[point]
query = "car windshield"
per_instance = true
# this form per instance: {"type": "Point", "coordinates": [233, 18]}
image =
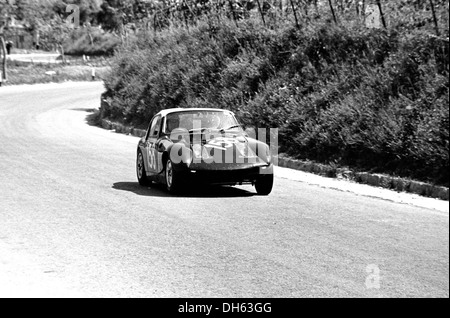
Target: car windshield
{"type": "Point", "coordinates": [198, 120]}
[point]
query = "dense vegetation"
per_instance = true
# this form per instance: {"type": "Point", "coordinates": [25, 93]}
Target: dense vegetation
{"type": "Point", "coordinates": [92, 27]}
{"type": "Point", "coordinates": [341, 94]}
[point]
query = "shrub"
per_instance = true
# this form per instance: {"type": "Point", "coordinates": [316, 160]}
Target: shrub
{"type": "Point", "coordinates": [103, 44]}
{"type": "Point", "coordinates": [372, 99]}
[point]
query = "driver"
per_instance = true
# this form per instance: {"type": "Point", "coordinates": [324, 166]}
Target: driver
{"type": "Point", "coordinates": [172, 123]}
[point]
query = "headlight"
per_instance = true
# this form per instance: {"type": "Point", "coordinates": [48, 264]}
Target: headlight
{"type": "Point", "coordinates": [206, 154]}
{"type": "Point", "coordinates": [268, 155]}
{"type": "Point", "coordinates": [200, 152]}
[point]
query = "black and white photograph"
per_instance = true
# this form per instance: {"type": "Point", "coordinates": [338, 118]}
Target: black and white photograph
{"type": "Point", "coordinates": [222, 155]}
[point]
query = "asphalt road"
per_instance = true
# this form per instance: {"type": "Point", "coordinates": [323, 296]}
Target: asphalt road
{"type": "Point", "coordinates": [75, 223]}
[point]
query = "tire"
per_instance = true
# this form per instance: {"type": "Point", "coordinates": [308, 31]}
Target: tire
{"type": "Point", "coordinates": [264, 184]}
{"type": "Point", "coordinates": [172, 177]}
{"type": "Point", "coordinates": [140, 171]}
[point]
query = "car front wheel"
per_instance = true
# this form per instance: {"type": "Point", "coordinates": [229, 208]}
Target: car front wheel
{"type": "Point", "coordinates": [264, 184]}
{"type": "Point", "coordinates": [140, 170]}
{"type": "Point", "coordinates": [173, 182]}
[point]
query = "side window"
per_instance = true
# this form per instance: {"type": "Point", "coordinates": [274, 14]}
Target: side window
{"type": "Point", "coordinates": [156, 127]}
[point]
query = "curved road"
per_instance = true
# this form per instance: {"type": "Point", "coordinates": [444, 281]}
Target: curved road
{"type": "Point", "coordinates": [75, 223]}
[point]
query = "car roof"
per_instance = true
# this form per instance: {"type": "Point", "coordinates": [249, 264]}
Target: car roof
{"type": "Point", "coordinates": [166, 112]}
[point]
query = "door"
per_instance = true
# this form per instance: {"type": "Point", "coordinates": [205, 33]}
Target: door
{"type": "Point", "coordinates": [150, 146]}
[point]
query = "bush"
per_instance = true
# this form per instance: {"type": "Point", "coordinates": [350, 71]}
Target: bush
{"type": "Point", "coordinates": [103, 44]}
{"type": "Point", "coordinates": [371, 99]}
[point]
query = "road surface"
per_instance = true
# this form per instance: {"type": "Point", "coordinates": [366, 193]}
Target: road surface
{"type": "Point", "coordinates": [75, 223]}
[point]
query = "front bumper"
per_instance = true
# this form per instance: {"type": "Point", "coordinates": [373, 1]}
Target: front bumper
{"type": "Point", "coordinates": [227, 176]}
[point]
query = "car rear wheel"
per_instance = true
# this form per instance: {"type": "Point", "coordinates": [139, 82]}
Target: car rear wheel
{"type": "Point", "coordinates": [172, 178]}
{"type": "Point", "coordinates": [140, 170]}
{"type": "Point", "coordinates": [264, 184]}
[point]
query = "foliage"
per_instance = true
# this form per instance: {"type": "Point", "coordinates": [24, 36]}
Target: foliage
{"type": "Point", "coordinates": [91, 42]}
{"type": "Point", "coordinates": [368, 98]}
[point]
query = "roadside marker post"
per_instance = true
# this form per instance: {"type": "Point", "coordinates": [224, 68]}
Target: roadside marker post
{"type": "Point", "coordinates": [93, 73]}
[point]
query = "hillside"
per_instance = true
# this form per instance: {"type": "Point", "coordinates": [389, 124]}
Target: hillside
{"type": "Point", "coordinates": [340, 93]}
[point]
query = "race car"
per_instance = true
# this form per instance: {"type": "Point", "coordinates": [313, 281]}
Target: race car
{"type": "Point", "coordinates": [187, 146]}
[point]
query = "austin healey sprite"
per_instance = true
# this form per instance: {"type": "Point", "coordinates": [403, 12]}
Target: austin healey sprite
{"type": "Point", "coordinates": [183, 147]}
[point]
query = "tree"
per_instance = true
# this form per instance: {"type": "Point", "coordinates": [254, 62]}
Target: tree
{"type": "Point", "coordinates": [109, 17]}
{"type": "Point", "coordinates": [114, 15]}
{"type": "Point", "coordinates": [7, 8]}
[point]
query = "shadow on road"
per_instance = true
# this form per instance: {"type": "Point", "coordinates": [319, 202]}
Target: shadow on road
{"type": "Point", "coordinates": [87, 110]}
{"type": "Point", "coordinates": [157, 190]}
{"type": "Point", "coordinates": [135, 188]}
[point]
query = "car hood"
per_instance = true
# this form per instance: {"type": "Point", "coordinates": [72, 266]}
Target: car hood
{"type": "Point", "coordinates": [230, 150]}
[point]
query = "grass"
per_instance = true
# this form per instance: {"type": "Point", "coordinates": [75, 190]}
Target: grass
{"type": "Point", "coordinates": [26, 73]}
